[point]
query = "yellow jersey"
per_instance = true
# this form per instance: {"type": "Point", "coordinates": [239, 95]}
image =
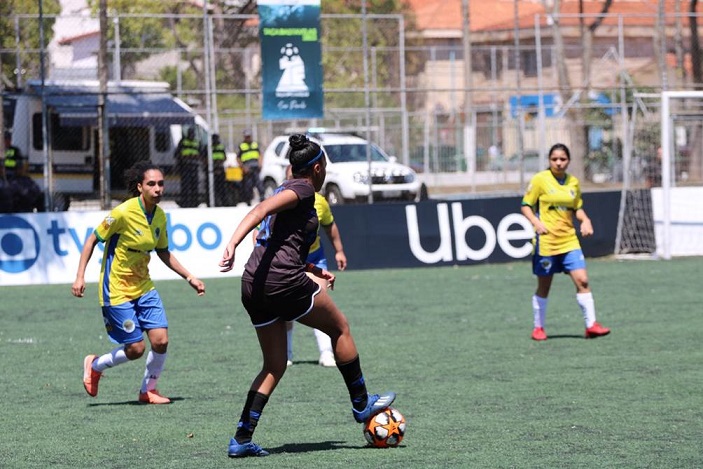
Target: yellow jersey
{"type": "Point", "coordinates": [555, 204]}
{"type": "Point", "coordinates": [324, 214]}
{"type": "Point", "coordinates": [130, 234]}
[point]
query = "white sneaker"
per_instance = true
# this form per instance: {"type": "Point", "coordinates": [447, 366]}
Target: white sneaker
{"type": "Point", "coordinates": [289, 363]}
{"type": "Point", "coordinates": [327, 359]}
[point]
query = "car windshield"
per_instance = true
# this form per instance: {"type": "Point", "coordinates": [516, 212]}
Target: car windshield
{"type": "Point", "coordinates": [352, 153]}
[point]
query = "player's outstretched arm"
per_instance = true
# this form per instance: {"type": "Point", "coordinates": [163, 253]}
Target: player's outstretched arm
{"type": "Point", "coordinates": [78, 287]}
{"type": "Point", "coordinates": [174, 264]}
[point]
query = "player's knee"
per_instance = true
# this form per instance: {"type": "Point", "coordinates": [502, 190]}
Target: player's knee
{"type": "Point", "coordinates": [134, 351]}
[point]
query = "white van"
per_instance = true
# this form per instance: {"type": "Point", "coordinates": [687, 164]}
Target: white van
{"type": "Point", "coordinates": [145, 123]}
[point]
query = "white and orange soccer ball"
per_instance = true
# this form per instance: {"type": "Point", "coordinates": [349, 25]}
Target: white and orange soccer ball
{"type": "Point", "coordinates": [385, 429]}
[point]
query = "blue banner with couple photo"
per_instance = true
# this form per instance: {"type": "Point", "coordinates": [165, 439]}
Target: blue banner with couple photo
{"type": "Point", "coordinates": [291, 55]}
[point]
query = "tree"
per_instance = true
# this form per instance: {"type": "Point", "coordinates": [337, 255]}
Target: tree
{"type": "Point", "coordinates": [28, 34]}
{"type": "Point", "coordinates": [343, 68]}
{"type": "Point", "coordinates": [578, 127]}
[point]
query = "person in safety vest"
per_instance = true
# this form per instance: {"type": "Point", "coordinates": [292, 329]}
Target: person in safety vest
{"type": "Point", "coordinates": [250, 159]}
{"type": "Point", "coordinates": [188, 157]}
{"type": "Point", "coordinates": [219, 156]}
{"type": "Point", "coordinates": [25, 195]}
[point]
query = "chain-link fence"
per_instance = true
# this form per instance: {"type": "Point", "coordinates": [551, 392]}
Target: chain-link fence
{"type": "Point", "coordinates": [525, 94]}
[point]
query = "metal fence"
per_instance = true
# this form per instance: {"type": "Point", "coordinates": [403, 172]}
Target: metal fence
{"type": "Point", "coordinates": [416, 91]}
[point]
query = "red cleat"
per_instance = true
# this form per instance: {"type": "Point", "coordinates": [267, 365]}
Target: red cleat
{"type": "Point", "coordinates": [596, 330]}
{"type": "Point", "coordinates": [539, 334]}
{"type": "Point", "coordinates": [90, 376]}
{"type": "Point", "coordinates": [153, 397]}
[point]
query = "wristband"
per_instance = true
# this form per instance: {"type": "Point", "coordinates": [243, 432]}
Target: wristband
{"type": "Point", "coordinates": [189, 279]}
{"type": "Point", "coordinates": [309, 266]}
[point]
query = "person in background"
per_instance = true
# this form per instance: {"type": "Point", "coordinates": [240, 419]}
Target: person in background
{"type": "Point", "coordinates": [551, 202]}
{"type": "Point", "coordinates": [13, 160]}
{"type": "Point", "coordinates": [188, 156]}
{"type": "Point", "coordinates": [317, 258]}
{"type": "Point", "coordinates": [250, 160]}
{"type": "Point", "coordinates": [219, 156]}
{"type": "Point", "coordinates": [653, 170]}
{"type": "Point", "coordinates": [276, 289]}
{"type": "Point", "coordinates": [130, 304]}
{"type": "Point", "coordinates": [25, 194]}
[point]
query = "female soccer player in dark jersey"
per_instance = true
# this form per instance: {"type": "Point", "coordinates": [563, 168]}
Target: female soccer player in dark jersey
{"type": "Point", "coordinates": [276, 289]}
{"type": "Point", "coordinates": [130, 304]}
{"type": "Point", "coordinates": [551, 202]}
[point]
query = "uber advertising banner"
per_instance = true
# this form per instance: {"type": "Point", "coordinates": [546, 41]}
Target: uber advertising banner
{"type": "Point", "coordinates": [42, 248]}
{"type": "Point", "coordinates": [289, 31]}
{"type": "Point", "coordinates": [436, 233]}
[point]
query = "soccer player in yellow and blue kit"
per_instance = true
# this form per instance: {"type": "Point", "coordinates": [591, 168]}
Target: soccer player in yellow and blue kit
{"type": "Point", "coordinates": [130, 304]}
{"type": "Point", "coordinates": [551, 202]}
{"type": "Point", "coordinates": [317, 258]}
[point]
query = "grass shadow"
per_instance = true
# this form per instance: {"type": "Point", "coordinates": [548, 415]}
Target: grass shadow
{"type": "Point", "coordinates": [310, 447]}
{"type": "Point", "coordinates": [135, 402]}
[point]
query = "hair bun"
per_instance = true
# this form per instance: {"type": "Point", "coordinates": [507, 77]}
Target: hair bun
{"type": "Point", "coordinates": [297, 141]}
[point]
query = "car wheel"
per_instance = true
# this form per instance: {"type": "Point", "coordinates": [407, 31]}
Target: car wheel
{"type": "Point", "coordinates": [270, 187]}
{"type": "Point", "coordinates": [334, 195]}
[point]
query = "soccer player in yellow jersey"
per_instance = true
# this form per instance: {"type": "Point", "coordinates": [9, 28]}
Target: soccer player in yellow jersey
{"type": "Point", "coordinates": [130, 304]}
{"type": "Point", "coordinates": [317, 258]}
{"type": "Point", "coordinates": [551, 202]}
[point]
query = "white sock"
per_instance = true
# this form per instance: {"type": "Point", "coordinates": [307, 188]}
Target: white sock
{"type": "Point", "coordinates": [324, 343]}
{"type": "Point", "coordinates": [113, 358]}
{"type": "Point", "coordinates": [588, 307]}
{"type": "Point", "coordinates": [289, 338]}
{"type": "Point", "coordinates": [539, 310]}
{"type": "Point", "coordinates": [154, 366]}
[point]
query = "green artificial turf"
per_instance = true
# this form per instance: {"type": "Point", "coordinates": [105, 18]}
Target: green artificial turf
{"type": "Point", "coordinates": [454, 343]}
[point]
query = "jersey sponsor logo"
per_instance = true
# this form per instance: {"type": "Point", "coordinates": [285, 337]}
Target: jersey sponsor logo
{"type": "Point", "coordinates": [107, 222]}
{"type": "Point", "coordinates": [19, 244]}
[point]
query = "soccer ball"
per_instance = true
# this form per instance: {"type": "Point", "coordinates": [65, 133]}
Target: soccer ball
{"type": "Point", "coordinates": [385, 429]}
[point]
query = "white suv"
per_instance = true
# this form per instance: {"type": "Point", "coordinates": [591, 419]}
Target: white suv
{"type": "Point", "coordinates": [347, 170]}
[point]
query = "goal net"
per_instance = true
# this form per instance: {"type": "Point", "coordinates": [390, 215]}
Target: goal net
{"type": "Point", "coordinates": [661, 214]}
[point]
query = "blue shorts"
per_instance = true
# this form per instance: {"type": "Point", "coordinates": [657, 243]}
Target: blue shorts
{"type": "Point", "coordinates": [318, 258]}
{"type": "Point", "coordinates": [126, 322]}
{"type": "Point", "coordinates": [543, 266]}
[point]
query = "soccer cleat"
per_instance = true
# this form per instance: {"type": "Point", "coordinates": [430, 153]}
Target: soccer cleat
{"type": "Point", "coordinates": [90, 376]}
{"type": "Point", "coordinates": [596, 330]}
{"type": "Point", "coordinates": [289, 363]}
{"type": "Point", "coordinates": [374, 405]}
{"type": "Point", "coordinates": [539, 334]}
{"type": "Point", "coordinates": [327, 359]}
{"type": "Point", "coordinates": [243, 450]}
{"type": "Point", "coordinates": [153, 397]}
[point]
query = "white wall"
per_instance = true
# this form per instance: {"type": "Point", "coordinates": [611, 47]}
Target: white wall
{"type": "Point", "coordinates": [686, 212]}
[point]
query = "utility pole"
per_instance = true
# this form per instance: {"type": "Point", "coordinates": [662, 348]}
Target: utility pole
{"type": "Point", "coordinates": [103, 140]}
{"type": "Point", "coordinates": [469, 127]}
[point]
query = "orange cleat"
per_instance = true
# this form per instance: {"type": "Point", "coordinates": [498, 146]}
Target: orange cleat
{"type": "Point", "coordinates": [90, 376]}
{"type": "Point", "coordinates": [596, 330]}
{"type": "Point", "coordinates": [153, 397]}
{"type": "Point", "coordinates": [539, 334]}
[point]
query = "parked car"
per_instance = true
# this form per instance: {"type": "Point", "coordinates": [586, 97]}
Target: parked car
{"type": "Point", "coordinates": [347, 170]}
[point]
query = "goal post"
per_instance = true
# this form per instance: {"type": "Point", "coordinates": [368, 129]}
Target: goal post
{"type": "Point", "coordinates": [661, 214]}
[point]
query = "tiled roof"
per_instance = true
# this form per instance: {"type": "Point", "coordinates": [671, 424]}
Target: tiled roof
{"type": "Point", "coordinates": [488, 15]}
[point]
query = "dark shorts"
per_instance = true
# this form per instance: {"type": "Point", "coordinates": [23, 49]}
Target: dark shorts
{"type": "Point", "coordinates": [267, 305]}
